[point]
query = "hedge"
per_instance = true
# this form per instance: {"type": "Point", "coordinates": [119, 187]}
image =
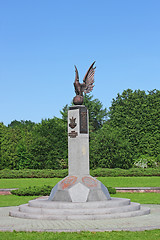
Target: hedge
{"type": "Point", "coordinates": [43, 191]}
{"type": "Point", "coordinates": [99, 172]}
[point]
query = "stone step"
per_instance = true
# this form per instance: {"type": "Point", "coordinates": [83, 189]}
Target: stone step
{"type": "Point", "coordinates": [142, 211]}
{"type": "Point", "coordinates": [114, 202]}
{"type": "Point", "coordinates": [52, 210]}
{"type": "Point", "coordinates": [79, 211]}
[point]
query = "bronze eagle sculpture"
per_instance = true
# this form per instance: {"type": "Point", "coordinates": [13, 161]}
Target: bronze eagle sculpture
{"type": "Point", "coordinates": [86, 86]}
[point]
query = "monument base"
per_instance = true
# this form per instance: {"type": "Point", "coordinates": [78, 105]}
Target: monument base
{"type": "Point", "coordinates": [79, 189]}
{"type": "Point", "coordinates": [56, 210]}
{"type": "Point", "coordinates": [79, 197]}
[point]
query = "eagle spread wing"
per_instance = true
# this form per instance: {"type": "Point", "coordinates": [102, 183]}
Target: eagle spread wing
{"type": "Point", "coordinates": [89, 79]}
{"type": "Point", "coordinates": [77, 75]}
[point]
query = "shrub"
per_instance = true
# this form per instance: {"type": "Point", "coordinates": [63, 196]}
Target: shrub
{"type": "Point", "coordinates": [99, 172]}
{"type": "Point", "coordinates": [145, 161]}
{"type": "Point", "coordinates": [33, 191]}
{"type": "Point", "coordinates": [43, 191]}
{"type": "Point", "coordinates": [31, 173]}
{"type": "Point", "coordinates": [111, 190]}
{"type": "Point", "coordinates": [132, 172]}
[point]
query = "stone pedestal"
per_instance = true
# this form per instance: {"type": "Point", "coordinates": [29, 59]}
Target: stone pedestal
{"type": "Point", "coordinates": [78, 141]}
{"type": "Point", "coordinates": [79, 186]}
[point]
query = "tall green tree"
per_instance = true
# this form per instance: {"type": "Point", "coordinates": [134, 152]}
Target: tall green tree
{"type": "Point", "coordinates": [9, 141]}
{"type": "Point", "coordinates": [15, 147]}
{"type": "Point", "coordinates": [136, 114]}
{"type": "Point", "coordinates": [29, 125]}
{"type": "Point", "coordinates": [2, 130]}
{"type": "Point", "coordinates": [97, 114]}
{"type": "Point", "coordinates": [110, 149]}
{"type": "Point", "coordinates": [50, 147]}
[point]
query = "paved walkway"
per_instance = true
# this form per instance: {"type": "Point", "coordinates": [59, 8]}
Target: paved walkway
{"type": "Point", "coordinates": [147, 222]}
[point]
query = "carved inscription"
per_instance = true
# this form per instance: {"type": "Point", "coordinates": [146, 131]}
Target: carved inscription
{"type": "Point", "coordinates": [73, 134]}
{"type": "Point", "coordinates": [83, 120]}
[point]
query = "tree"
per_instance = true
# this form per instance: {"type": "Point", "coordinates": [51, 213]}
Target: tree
{"type": "Point", "coordinates": [29, 125]}
{"type": "Point", "coordinates": [9, 140]}
{"type": "Point", "coordinates": [15, 147]}
{"type": "Point", "coordinates": [97, 115]}
{"type": "Point", "coordinates": [2, 130]}
{"type": "Point", "coordinates": [136, 114]}
{"type": "Point", "coordinates": [64, 113]}
{"type": "Point", "coordinates": [110, 149]}
{"type": "Point", "coordinates": [50, 147]}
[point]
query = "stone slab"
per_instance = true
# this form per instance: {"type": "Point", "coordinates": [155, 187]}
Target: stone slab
{"type": "Point", "coordinates": [139, 223]}
{"type": "Point", "coordinates": [79, 193]}
{"type": "Point", "coordinates": [42, 209]}
{"type": "Point", "coordinates": [78, 141]}
{"type": "Point", "coordinates": [78, 211]}
{"type": "Point", "coordinates": [142, 211]}
{"type": "Point", "coordinates": [115, 202]}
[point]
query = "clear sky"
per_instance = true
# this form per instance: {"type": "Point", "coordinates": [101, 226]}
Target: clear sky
{"type": "Point", "coordinates": [42, 40]}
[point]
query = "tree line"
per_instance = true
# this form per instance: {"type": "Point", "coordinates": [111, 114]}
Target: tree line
{"type": "Point", "coordinates": [125, 134]}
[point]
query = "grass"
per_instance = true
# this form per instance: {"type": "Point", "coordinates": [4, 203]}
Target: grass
{"type": "Point", "coordinates": [26, 182]}
{"type": "Point", "coordinates": [142, 198]}
{"type": "Point", "coordinates": [130, 181]}
{"type": "Point", "coordinates": [107, 181]}
{"type": "Point", "coordinates": [13, 200]}
{"type": "Point", "coordinates": [121, 235]}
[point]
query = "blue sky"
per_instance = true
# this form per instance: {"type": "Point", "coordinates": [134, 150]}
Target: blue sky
{"type": "Point", "coordinates": [41, 41]}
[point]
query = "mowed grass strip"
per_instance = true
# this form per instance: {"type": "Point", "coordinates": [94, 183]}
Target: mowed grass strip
{"type": "Point", "coordinates": [142, 198]}
{"type": "Point", "coordinates": [121, 235]}
{"type": "Point", "coordinates": [107, 181]}
{"type": "Point", "coordinates": [13, 200]}
{"type": "Point", "coordinates": [26, 182]}
{"type": "Point", "coordinates": [130, 181]}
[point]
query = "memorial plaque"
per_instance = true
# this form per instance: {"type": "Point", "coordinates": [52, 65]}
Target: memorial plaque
{"type": "Point", "coordinates": [83, 120]}
{"type": "Point", "coordinates": [73, 134]}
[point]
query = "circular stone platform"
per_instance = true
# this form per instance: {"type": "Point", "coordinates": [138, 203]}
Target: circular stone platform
{"type": "Point", "coordinates": [139, 223]}
{"type": "Point", "coordinates": [52, 210]}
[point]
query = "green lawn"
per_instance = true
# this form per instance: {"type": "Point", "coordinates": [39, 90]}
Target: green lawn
{"type": "Point", "coordinates": [122, 235]}
{"type": "Point", "coordinates": [26, 182]}
{"type": "Point", "coordinates": [143, 198]}
{"type": "Point", "coordinates": [13, 200]}
{"type": "Point", "coordinates": [130, 181]}
{"type": "Point", "coordinates": [107, 181]}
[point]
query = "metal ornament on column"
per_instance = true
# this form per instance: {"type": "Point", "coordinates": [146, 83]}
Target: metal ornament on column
{"type": "Point", "coordinates": [86, 86]}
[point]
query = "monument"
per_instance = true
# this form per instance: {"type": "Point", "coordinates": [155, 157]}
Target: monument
{"type": "Point", "coordinates": [79, 186]}
{"type": "Point", "coordinates": [79, 195]}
